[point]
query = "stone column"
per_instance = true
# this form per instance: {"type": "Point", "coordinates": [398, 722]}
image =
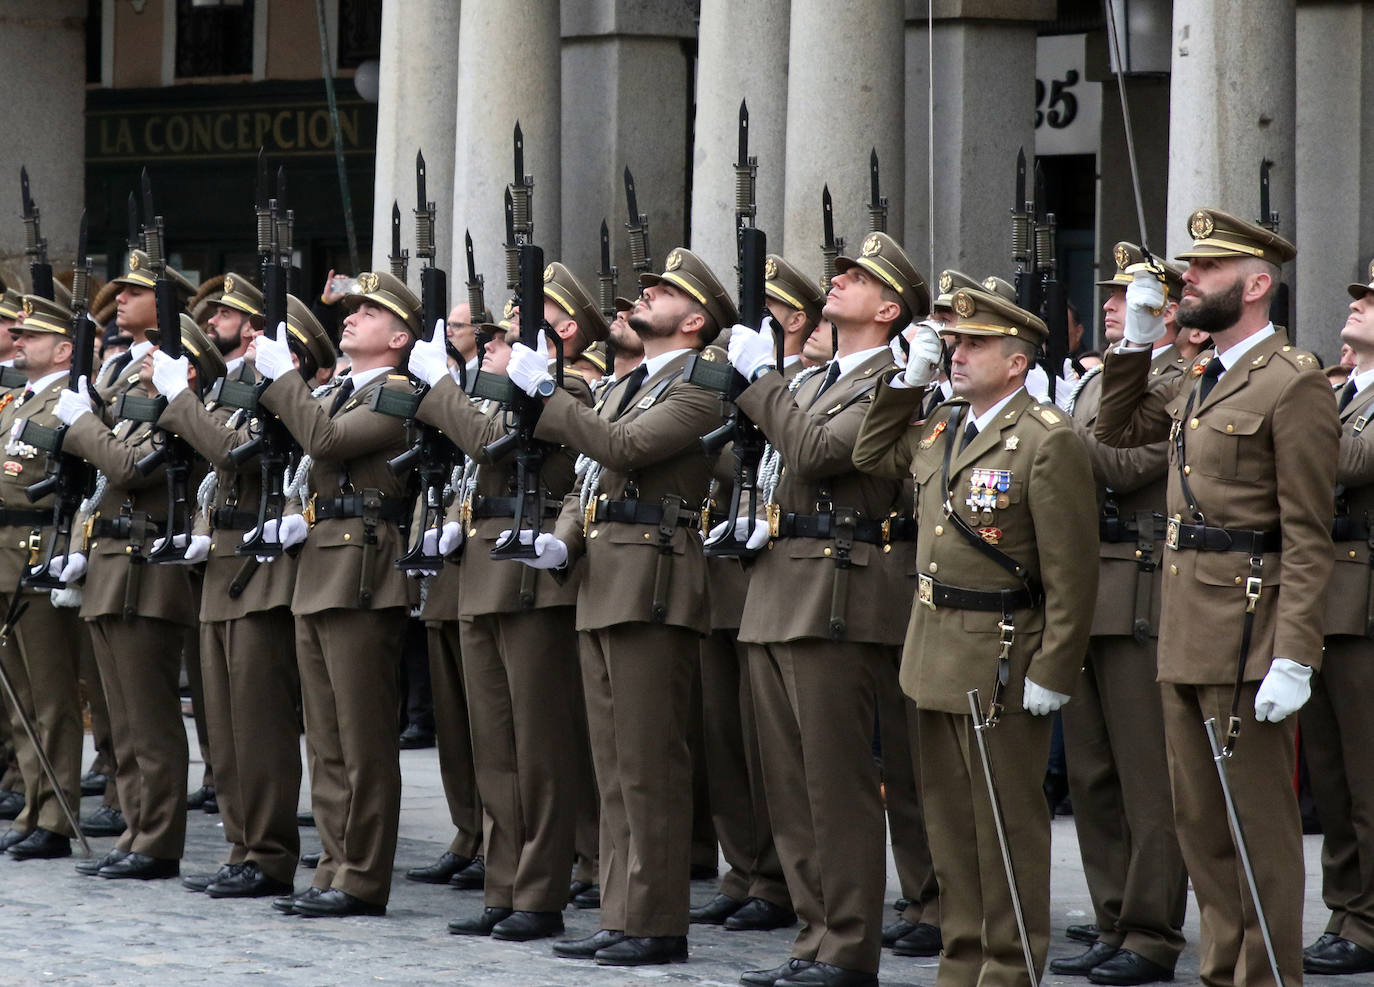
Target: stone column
{"type": "Point", "coordinates": [844, 97]}
{"type": "Point", "coordinates": [43, 118]}
{"type": "Point", "coordinates": [629, 76]}
{"type": "Point", "coordinates": [1231, 104]}
{"type": "Point", "coordinates": [418, 86]}
{"type": "Point", "coordinates": [508, 71]}
{"type": "Point", "coordinates": [743, 51]}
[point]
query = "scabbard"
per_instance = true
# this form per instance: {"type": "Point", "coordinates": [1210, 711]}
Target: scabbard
{"type": "Point", "coordinates": [663, 574]}
{"type": "Point", "coordinates": [839, 601]}
{"type": "Point", "coordinates": [365, 577]}
{"type": "Point", "coordinates": [528, 577]}
{"type": "Point", "coordinates": [1144, 575]}
{"type": "Point", "coordinates": [132, 583]}
{"type": "Point", "coordinates": [241, 578]}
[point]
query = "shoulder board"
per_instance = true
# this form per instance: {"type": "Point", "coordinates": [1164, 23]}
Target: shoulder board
{"type": "Point", "coordinates": [868, 388]}
{"type": "Point", "coordinates": [1047, 415]}
{"type": "Point", "coordinates": [574, 371]}
{"type": "Point", "coordinates": [1301, 359]}
{"type": "Point", "coordinates": [399, 378]}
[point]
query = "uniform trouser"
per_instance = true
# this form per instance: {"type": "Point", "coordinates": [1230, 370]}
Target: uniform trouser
{"type": "Point", "coordinates": [195, 681]}
{"type": "Point", "coordinates": [105, 761]}
{"type": "Point", "coordinates": [637, 679]}
{"type": "Point", "coordinates": [735, 775]}
{"type": "Point", "coordinates": [586, 799]}
{"type": "Point", "coordinates": [140, 664]}
{"type": "Point", "coordinates": [982, 944]}
{"type": "Point", "coordinates": [521, 670]}
{"type": "Point", "coordinates": [1260, 772]}
{"type": "Point", "coordinates": [42, 658]}
{"type": "Point", "coordinates": [816, 703]}
{"type": "Point", "coordinates": [248, 667]}
{"type": "Point", "coordinates": [453, 738]}
{"type": "Point", "coordinates": [348, 663]}
{"type": "Point", "coordinates": [705, 849]}
{"type": "Point", "coordinates": [1338, 738]}
{"type": "Point", "coordinates": [1119, 782]}
{"type": "Point", "coordinates": [905, 816]}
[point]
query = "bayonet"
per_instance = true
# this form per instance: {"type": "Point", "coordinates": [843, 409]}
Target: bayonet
{"type": "Point", "coordinates": [877, 204]}
{"type": "Point", "coordinates": [746, 178]}
{"type": "Point", "coordinates": [400, 259]}
{"type": "Point", "coordinates": [476, 285]}
{"type": "Point", "coordinates": [606, 276]}
{"type": "Point", "coordinates": [153, 242]}
{"type": "Point", "coordinates": [1268, 218]}
{"type": "Point", "coordinates": [135, 239]}
{"type": "Point", "coordinates": [832, 245]}
{"type": "Point", "coordinates": [522, 191]}
{"type": "Point", "coordinates": [512, 248]}
{"type": "Point", "coordinates": [35, 247]}
{"type": "Point", "coordinates": [641, 259]}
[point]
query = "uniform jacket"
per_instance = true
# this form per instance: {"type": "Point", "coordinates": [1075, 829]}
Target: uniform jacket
{"type": "Point", "coordinates": [24, 465]}
{"type": "Point", "coordinates": [1348, 601]}
{"type": "Point", "coordinates": [1048, 525]}
{"type": "Point", "coordinates": [656, 444]}
{"type": "Point", "coordinates": [791, 585]}
{"type": "Point", "coordinates": [349, 454]}
{"type": "Point", "coordinates": [1261, 454]}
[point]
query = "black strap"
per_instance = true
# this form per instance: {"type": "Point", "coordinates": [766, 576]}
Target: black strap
{"type": "Point", "coordinates": [1253, 586]}
{"type": "Point", "coordinates": [996, 600]}
{"type": "Point", "coordinates": [393, 509]}
{"type": "Point", "coordinates": [1347, 528]}
{"type": "Point", "coordinates": [121, 527]}
{"type": "Point", "coordinates": [230, 519]}
{"type": "Point", "coordinates": [26, 519]}
{"type": "Point", "coordinates": [640, 512]}
{"type": "Point", "coordinates": [865, 530]}
{"type": "Point", "coordinates": [1205, 538]}
{"type": "Point", "coordinates": [486, 507]}
{"type": "Point", "coordinates": [1181, 452]}
{"type": "Point", "coordinates": [1114, 529]}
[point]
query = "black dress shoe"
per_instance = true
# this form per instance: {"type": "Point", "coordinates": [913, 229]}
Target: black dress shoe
{"type": "Point", "coordinates": [1127, 967]}
{"type": "Point", "coordinates": [248, 882]}
{"type": "Point", "coordinates": [42, 844]}
{"type": "Point", "coordinates": [11, 804]}
{"type": "Point", "coordinates": [12, 837]}
{"type": "Point", "coordinates": [336, 904]}
{"type": "Point", "coordinates": [440, 871]}
{"type": "Point", "coordinates": [1324, 942]}
{"type": "Point", "coordinates": [591, 898]}
{"type": "Point", "coordinates": [91, 866]}
{"type": "Point", "coordinates": [287, 903]}
{"type": "Point", "coordinates": [1080, 965]}
{"type": "Point", "coordinates": [198, 798]}
{"type": "Point", "coordinates": [140, 867]}
{"type": "Point", "coordinates": [523, 926]}
{"type": "Point", "coordinates": [827, 975]}
{"type": "Point", "coordinates": [715, 911]}
{"type": "Point", "coordinates": [311, 860]}
{"type": "Point", "coordinates": [473, 877]}
{"type": "Point", "coordinates": [767, 978]}
{"type": "Point", "coordinates": [644, 951]}
{"type": "Point", "coordinates": [93, 783]}
{"type": "Point", "coordinates": [1083, 933]}
{"type": "Point", "coordinates": [895, 931]}
{"type": "Point", "coordinates": [704, 872]}
{"type": "Point", "coordinates": [577, 887]}
{"type": "Point", "coordinates": [759, 915]}
{"type": "Point", "coordinates": [901, 905]}
{"type": "Point", "coordinates": [922, 940]}
{"type": "Point", "coordinates": [480, 925]}
{"type": "Point", "coordinates": [585, 949]}
{"type": "Point", "coordinates": [413, 738]}
{"type": "Point", "coordinates": [1341, 956]}
{"type": "Point", "coordinates": [104, 821]}
{"type": "Point", "coordinates": [199, 882]}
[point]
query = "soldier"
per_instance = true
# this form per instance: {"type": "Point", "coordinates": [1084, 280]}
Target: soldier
{"type": "Point", "coordinates": [821, 649]}
{"type": "Point", "coordinates": [135, 314]}
{"type": "Point", "coordinates": [137, 613]}
{"type": "Point", "coordinates": [350, 602]}
{"type": "Point", "coordinates": [460, 331]}
{"type": "Point", "coordinates": [1114, 728]}
{"type": "Point", "coordinates": [642, 605]}
{"type": "Point", "coordinates": [629, 348]}
{"type": "Point", "coordinates": [1248, 553]}
{"type": "Point", "coordinates": [1005, 515]}
{"type": "Point", "coordinates": [42, 654]}
{"type": "Point", "coordinates": [517, 636]}
{"type": "Point", "coordinates": [1336, 723]}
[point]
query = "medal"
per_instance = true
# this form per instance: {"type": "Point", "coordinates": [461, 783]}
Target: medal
{"type": "Point", "coordinates": [990, 535]}
{"type": "Point", "coordinates": [988, 489]}
{"type": "Point", "coordinates": [929, 440]}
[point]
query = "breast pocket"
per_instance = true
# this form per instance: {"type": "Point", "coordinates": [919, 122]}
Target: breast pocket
{"type": "Point", "coordinates": [1229, 439]}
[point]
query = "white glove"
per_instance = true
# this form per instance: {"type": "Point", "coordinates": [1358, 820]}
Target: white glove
{"type": "Point", "coordinates": [898, 354]}
{"type": "Point", "coordinates": [198, 550]}
{"type": "Point", "coordinates": [528, 368]}
{"type": "Point", "coordinates": [923, 362]}
{"type": "Point", "coordinates": [1037, 384]}
{"type": "Point", "coordinates": [1038, 700]}
{"type": "Point", "coordinates": [751, 351]}
{"type": "Point", "coordinates": [1286, 688]}
{"type": "Point", "coordinates": [1063, 392]}
{"type": "Point", "coordinates": [754, 535]}
{"type": "Point", "coordinates": [1144, 298]}
{"type": "Point", "coordinates": [68, 568]}
{"type": "Point", "coordinates": [273, 356]}
{"type": "Point", "coordinates": [550, 550]}
{"type": "Point", "coordinates": [170, 377]}
{"type": "Point", "coordinates": [429, 359]}
{"type": "Point", "coordinates": [450, 538]}
{"type": "Point", "coordinates": [289, 532]}
{"type": "Point", "coordinates": [71, 405]}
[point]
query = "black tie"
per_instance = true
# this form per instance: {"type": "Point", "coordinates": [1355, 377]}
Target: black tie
{"type": "Point", "coordinates": [1210, 376]}
{"type": "Point", "coordinates": [28, 393]}
{"type": "Point", "coordinates": [632, 385]}
{"type": "Point", "coordinates": [831, 375]}
{"type": "Point", "coordinates": [341, 397]}
{"type": "Point", "coordinates": [970, 433]}
{"type": "Point", "coordinates": [1347, 395]}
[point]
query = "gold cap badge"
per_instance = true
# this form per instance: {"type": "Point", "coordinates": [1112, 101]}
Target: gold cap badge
{"type": "Point", "coordinates": [872, 245]}
{"type": "Point", "coordinates": [28, 307]}
{"type": "Point", "coordinates": [946, 282]}
{"type": "Point", "coordinates": [509, 311]}
{"type": "Point", "coordinates": [133, 262]}
{"type": "Point", "coordinates": [1122, 256]}
{"type": "Point", "coordinates": [770, 269]}
{"type": "Point", "coordinates": [674, 261]}
{"type": "Point", "coordinates": [963, 305]}
{"type": "Point", "coordinates": [228, 284]}
{"type": "Point", "coordinates": [368, 281]}
{"type": "Point", "coordinates": [548, 273]}
{"type": "Point", "coordinates": [1200, 225]}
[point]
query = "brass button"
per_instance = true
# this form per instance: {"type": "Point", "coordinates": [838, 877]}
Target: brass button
{"type": "Point", "coordinates": [1287, 348]}
{"type": "Point", "coordinates": [23, 543]}
{"type": "Point", "coordinates": [1193, 423]}
{"type": "Point", "coordinates": [1238, 580]}
{"type": "Point", "coordinates": [602, 497]}
{"type": "Point", "coordinates": [212, 546]}
{"type": "Point", "coordinates": [1187, 471]}
{"type": "Point", "coordinates": [1230, 428]}
{"type": "Point", "coordinates": [1137, 553]}
{"type": "Point", "coordinates": [594, 533]}
{"type": "Point", "coordinates": [1173, 570]}
{"type": "Point", "coordinates": [886, 549]}
{"type": "Point", "coordinates": [1352, 554]}
{"type": "Point", "coordinates": [347, 536]}
{"type": "Point", "coordinates": [128, 550]}
{"type": "Point", "coordinates": [939, 529]}
{"type": "Point", "coordinates": [472, 532]}
{"type": "Point", "coordinates": [648, 535]}
{"type": "Point", "coordinates": [826, 552]}
{"type": "Point", "coordinates": [934, 567]}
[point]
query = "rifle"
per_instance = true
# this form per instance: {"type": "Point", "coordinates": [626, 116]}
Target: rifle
{"type": "Point", "coordinates": [746, 198]}
{"type": "Point", "coordinates": [1269, 219]}
{"type": "Point", "coordinates": [877, 204]}
{"type": "Point", "coordinates": [68, 478]}
{"type": "Point", "coordinates": [519, 215]}
{"type": "Point", "coordinates": [431, 454]}
{"type": "Point", "coordinates": [831, 248]}
{"type": "Point", "coordinates": [35, 247]}
{"type": "Point", "coordinates": [1051, 291]}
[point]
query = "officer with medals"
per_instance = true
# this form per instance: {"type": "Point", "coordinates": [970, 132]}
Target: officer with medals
{"type": "Point", "coordinates": [1006, 516]}
{"type": "Point", "coordinates": [1255, 438]}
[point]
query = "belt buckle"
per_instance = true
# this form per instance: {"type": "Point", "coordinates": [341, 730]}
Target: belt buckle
{"type": "Point", "coordinates": [925, 590]}
{"type": "Point", "coordinates": [1172, 532]}
{"type": "Point", "coordinates": [309, 511]}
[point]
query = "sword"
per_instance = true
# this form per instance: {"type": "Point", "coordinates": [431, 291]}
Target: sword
{"type": "Point", "coordinates": [980, 725]}
{"type": "Point", "coordinates": [1115, 41]}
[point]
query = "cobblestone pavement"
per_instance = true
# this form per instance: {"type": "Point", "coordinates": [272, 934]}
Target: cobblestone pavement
{"type": "Point", "coordinates": [59, 927]}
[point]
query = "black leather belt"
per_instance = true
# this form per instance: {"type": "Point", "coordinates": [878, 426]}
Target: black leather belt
{"type": "Point", "coordinates": [229, 519]}
{"type": "Point", "coordinates": [935, 594]}
{"type": "Point", "coordinates": [26, 519]}
{"type": "Point", "coordinates": [119, 527]}
{"type": "Point", "coordinates": [823, 526]}
{"type": "Point", "coordinates": [640, 512]}
{"type": "Point", "coordinates": [1119, 529]}
{"type": "Point", "coordinates": [505, 507]}
{"type": "Point", "coordinates": [393, 509]}
{"type": "Point", "coordinates": [1204, 538]}
{"type": "Point", "coordinates": [1349, 529]}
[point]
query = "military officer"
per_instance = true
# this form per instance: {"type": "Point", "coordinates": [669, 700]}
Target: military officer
{"type": "Point", "coordinates": [1336, 723]}
{"type": "Point", "coordinates": [1254, 437]}
{"type": "Point", "coordinates": [350, 602]}
{"type": "Point", "coordinates": [1005, 514]}
{"type": "Point", "coordinates": [822, 648]}
{"type": "Point", "coordinates": [42, 654]}
{"type": "Point", "coordinates": [1114, 728]}
{"type": "Point", "coordinates": [642, 605]}
{"type": "Point", "coordinates": [135, 314]}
